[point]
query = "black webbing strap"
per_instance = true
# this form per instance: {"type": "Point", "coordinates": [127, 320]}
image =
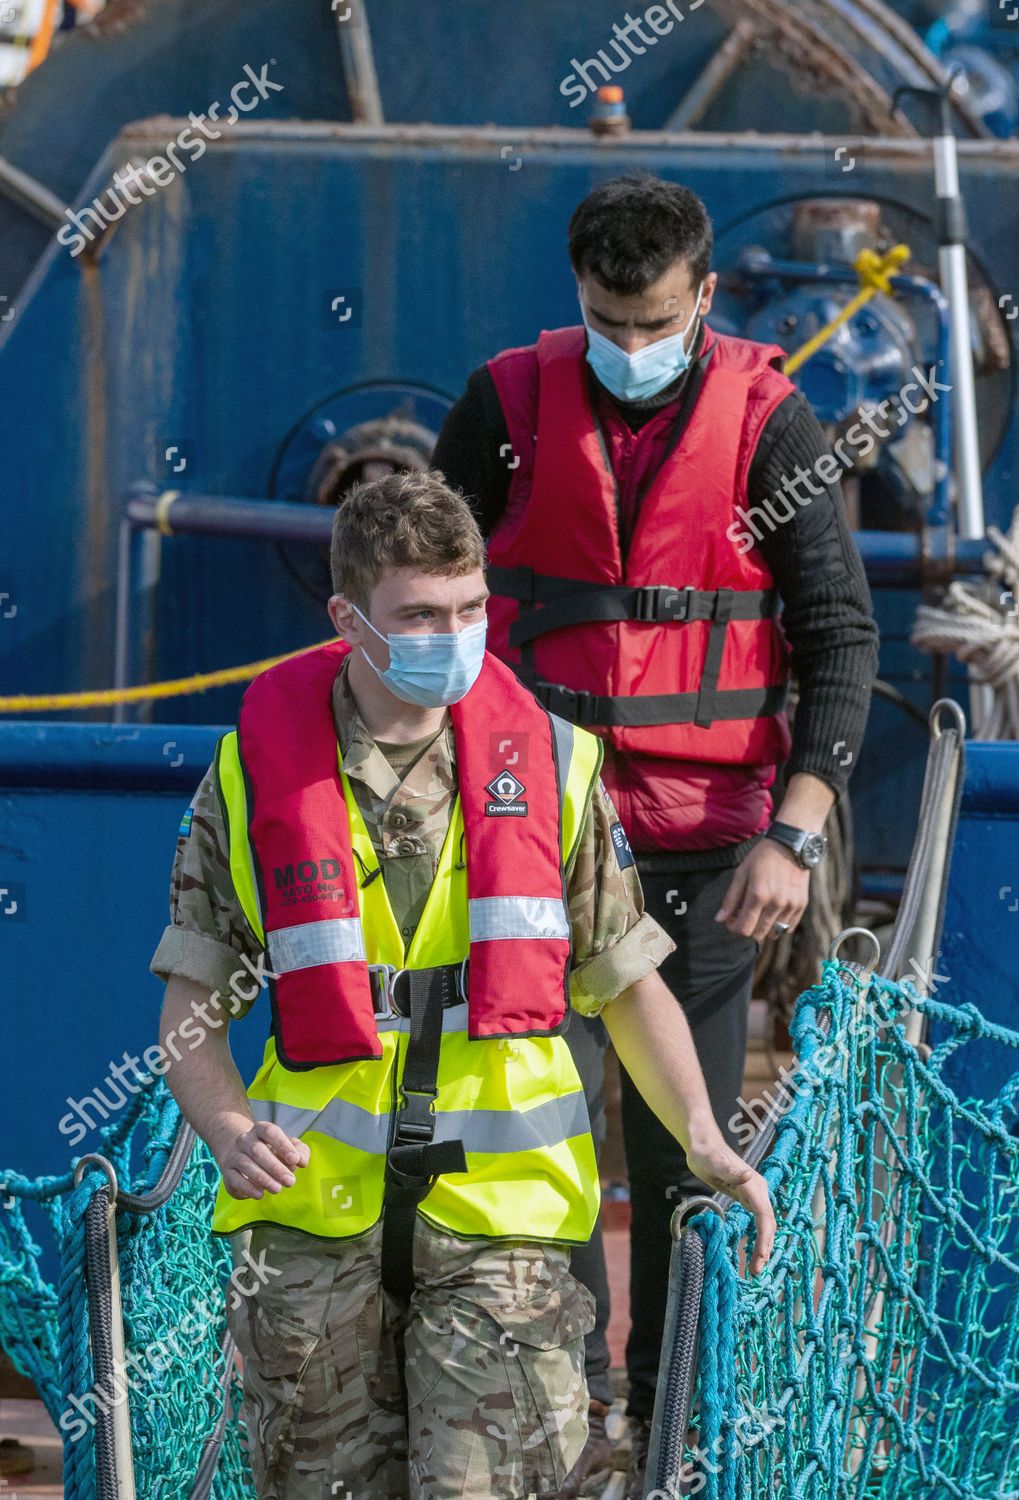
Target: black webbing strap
{"type": "Point", "coordinates": [589, 709]}
{"type": "Point", "coordinates": [414, 1160]}
{"type": "Point", "coordinates": [653, 605]}
{"type": "Point", "coordinates": [520, 584]}
{"type": "Point", "coordinates": [707, 694]}
{"type": "Point", "coordinates": [391, 987]}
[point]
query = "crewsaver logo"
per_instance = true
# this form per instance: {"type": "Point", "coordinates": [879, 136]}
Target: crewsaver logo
{"type": "Point", "coordinates": [507, 792]}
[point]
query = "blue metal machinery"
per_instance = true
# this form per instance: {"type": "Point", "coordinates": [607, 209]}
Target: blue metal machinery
{"type": "Point", "coordinates": [982, 40]}
{"type": "Point", "coordinates": [306, 300]}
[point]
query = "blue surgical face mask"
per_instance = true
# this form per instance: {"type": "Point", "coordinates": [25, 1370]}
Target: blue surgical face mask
{"type": "Point", "coordinates": [431, 671]}
{"type": "Point", "coordinates": [634, 377]}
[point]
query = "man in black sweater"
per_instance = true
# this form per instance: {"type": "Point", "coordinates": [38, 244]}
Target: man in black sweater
{"type": "Point", "coordinates": [645, 436]}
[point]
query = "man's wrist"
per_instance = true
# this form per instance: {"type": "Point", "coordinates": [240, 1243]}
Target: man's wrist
{"type": "Point", "coordinates": [806, 846]}
{"type": "Point", "coordinates": [225, 1126]}
{"type": "Point", "coordinates": [702, 1132]}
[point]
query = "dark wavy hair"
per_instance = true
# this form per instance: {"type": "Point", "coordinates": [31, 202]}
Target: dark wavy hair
{"type": "Point", "coordinates": [628, 232]}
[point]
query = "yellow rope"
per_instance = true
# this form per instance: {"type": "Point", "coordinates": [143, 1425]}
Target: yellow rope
{"type": "Point", "coordinates": [163, 504]}
{"type": "Point", "coordinates": [42, 702]}
{"type": "Point", "coordinates": [874, 272]}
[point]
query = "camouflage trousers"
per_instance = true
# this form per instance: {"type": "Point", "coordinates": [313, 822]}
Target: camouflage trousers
{"type": "Point", "coordinates": [474, 1390]}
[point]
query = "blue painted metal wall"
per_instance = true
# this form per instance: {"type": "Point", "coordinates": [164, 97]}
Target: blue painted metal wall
{"type": "Point", "coordinates": [980, 944]}
{"type": "Point", "coordinates": [444, 61]}
{"type": "Point", "coordinates": [88, 828]}
{"type": "Point", "coordinates": [979, 959]}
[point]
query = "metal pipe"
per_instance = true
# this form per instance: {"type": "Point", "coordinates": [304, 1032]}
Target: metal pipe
{"type": "Point", "coordinates": [126, 541]}
{"type": "Point", "coordinates": [939, 512]}
{"type": "Point", "coordinates": [734, 50]}
{"type": "Point", "coordinates": [138, 565]}
{"type": "Point", "coordinates": [954, 279]}
{"type": "Point", "coordinates": [30, 194]}
{"type": "Point", "coordinates": [894, 559]}
{"type": "Point", "coordinates": [905, 559]}
{"type": "Point", "coordinates": [952, 265]}
{"type": "Point", "coordinates": [358, 61]}
{"type": "Point", "coordinates": [955, 283]}
{"type": "Point", "coordinates": [174, 514]}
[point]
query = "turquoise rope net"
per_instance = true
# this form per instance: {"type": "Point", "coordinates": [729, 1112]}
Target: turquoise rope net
{"type": "Point", "coordinates": [173, 1283]}
{"type": "Point", "coordinates": [876, 1356]}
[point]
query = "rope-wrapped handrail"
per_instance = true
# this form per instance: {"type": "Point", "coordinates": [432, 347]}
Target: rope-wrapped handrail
{"type": "Point", "coordinates": [942, 790]}
{"type": "Point", "coordinates": [88, 1353]}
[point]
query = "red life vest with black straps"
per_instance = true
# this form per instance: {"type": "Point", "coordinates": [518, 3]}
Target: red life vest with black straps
{"type": "Point", "coordinates": [320, 990]}
{"type": "Point", "coordinates": [670, 649]}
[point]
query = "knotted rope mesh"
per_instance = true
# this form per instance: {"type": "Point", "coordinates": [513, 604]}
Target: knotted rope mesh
{"type": "Point", "coordinates": [173, 1279]}
{"type": "Point", "coordinates": [877, 1354]}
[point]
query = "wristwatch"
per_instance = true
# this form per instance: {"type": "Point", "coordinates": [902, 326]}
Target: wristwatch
{"type": "Point", "coordinates": [809, 848]}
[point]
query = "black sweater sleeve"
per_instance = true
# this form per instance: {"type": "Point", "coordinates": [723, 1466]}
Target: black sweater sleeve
{"type": "Point", "coordinates": [827, 614]}
{"type": "Point", "coordinates": [467, 450]}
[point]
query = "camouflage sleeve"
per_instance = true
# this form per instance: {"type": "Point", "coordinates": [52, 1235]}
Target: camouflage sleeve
{"type": "Point", "coordinates": [615, 941]}
{"type": "Point", "coordinates": [209, 937]}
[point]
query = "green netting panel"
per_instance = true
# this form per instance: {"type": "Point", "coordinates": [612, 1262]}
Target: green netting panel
{"type": "Point", "coordinates": [173, 1281]}
{"type": "Point", "coordinates": [877, 1354]}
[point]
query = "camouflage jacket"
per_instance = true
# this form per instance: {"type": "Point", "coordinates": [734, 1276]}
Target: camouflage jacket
{"type": "Point", "coordinates": [405, 795]}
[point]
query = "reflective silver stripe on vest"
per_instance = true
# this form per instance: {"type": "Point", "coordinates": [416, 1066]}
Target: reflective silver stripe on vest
{"type": "Point", "coordinates": [345, 1122]}
{"type": "Point", "coordinates": [454, 1018]}
{"type": "Point", "coordinates": [563, 741]}
{"type": "Point", "coordinates": [493, 1131]}
{"type": "Point", "coordinates": [507, 1130]}
{"type": "Point", "coordinates": [517, 917]}
{"type": "Point", "coordinates": [339, 940]}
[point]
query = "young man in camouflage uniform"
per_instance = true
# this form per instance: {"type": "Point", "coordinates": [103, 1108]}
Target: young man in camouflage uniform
{"type": "Point", "coordinates": [475, 1388]}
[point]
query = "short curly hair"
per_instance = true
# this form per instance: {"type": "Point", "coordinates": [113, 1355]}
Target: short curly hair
{"type": "Point", "coordinates": [630, 230]}
{"type": "Point", "coordinates": [405, 520]}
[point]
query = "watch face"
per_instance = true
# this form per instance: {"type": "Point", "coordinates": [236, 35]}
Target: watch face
{"type": "Point", "coordinates": [813, 850]}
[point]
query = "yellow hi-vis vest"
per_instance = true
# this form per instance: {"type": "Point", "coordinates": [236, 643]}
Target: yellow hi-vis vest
{"type": "Point", "coordinates": [516, 1102]}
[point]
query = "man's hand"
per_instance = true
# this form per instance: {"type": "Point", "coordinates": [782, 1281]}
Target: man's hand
{"type": "Point", "coordinates": [719, 1166]}
{"type": "Point", "coordinates": [255, 1156]}
{"type": "Point", "coordinates": [768, 886]}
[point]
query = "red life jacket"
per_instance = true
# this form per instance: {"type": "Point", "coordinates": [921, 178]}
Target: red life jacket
{"type": "Point", "coordinates": [675, 656]}
{"type": "Point", "coordinates": [322, 1001]}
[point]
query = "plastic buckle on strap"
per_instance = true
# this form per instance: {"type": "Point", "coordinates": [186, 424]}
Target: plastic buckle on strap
{"type": "Point", "coordinates": [659, 601]}
{"type": "Point", "coordinates": [571, 704]}
{"type": "Point", "coordinates": [556, 698]}
{"type": "Point", "coordinates": [416, 1119]}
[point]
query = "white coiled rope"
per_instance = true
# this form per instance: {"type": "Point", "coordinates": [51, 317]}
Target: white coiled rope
{"type": "Point", "coordinates": [983, 632]}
